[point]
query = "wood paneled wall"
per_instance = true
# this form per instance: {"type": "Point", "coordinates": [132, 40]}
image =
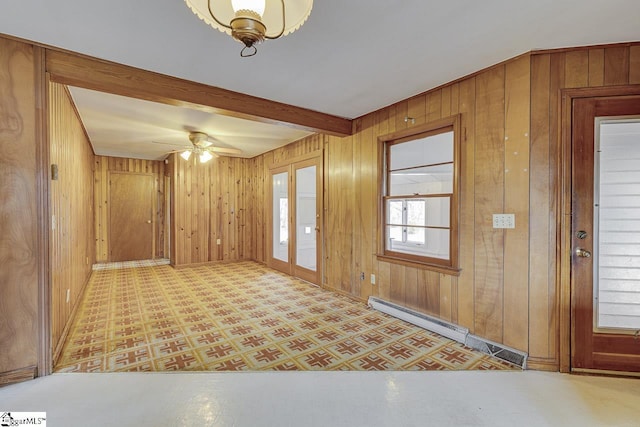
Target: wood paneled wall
{"type": "Point", "coordinates": [506, 290]}
{"type": "Point", "coordinates": [72, 250]}
{"type": "Point", "coordinates": [104, 165]}
{"type": "Point", "coordinates": [550, 73]}
{"type": "Point", "coordinates": [210, 202]}
{"type": "Point", "coordinates": [19, 246]}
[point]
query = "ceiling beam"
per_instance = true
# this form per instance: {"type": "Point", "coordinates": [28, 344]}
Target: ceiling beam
{"type": "Point", "coordinates": [91, 73]}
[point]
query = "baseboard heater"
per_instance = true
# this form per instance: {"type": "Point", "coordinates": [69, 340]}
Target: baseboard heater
{"type": "Point", "coordinates": [449, 330]}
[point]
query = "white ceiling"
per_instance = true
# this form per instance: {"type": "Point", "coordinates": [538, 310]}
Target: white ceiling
{"type": "Point", "coordinates": [350, 58]}
{"type": "Point", "coordinates": [126, 127]}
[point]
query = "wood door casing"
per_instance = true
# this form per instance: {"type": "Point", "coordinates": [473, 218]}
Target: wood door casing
{"type": "Point", "coordinates": [131, 216]}
{"type": "Point", "coordinates": [593, 350]}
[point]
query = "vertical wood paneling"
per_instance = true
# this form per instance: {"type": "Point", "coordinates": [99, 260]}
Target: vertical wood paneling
{"type": "Point", "coordinates": [557, 82]}
{"type": "Point", "coordinates": [595, 75]}
{"type": "Point", "coordinates": [365, 156]}
{"type": "Point", "coordinates": [434, 106]}
{"type": "Point", "coordinates": [18, 209]}
{"type": "Point", "coordinates": [338, 212]}
{"type": "Point", "coordinates": [489, 199]}
{"type": "Point", "coordinates": [616, 66]}
{"type": "Point", "coordinates": [540, 195]}
{"type": "Point", "coordinates": [466, 282]}
{"type": "Point", "coordinates": [575, 64]}
{"type": "Point", "coordinates": [516, 200]}
{"type": "Point", "coordinates": [218, 200]}
{"type": "Point", "coordinates": [429, 292]}
{"type": "Point", "coordinates": [102, 165]}
{"type": "Point", "coordinates": [416, 108]}
{"type": "Point", "coordinates": [445, 106]}
{"type": "Point", "coordinates": [634, 65]}
{"type": "Point", "coordinates": [397, 284]}
{"type": "Point", "coordinates": [72, 251]}
{"type": "Point", "coordinates": [446, 297]}
{"type": "Point", "coordinates": [411, 288]}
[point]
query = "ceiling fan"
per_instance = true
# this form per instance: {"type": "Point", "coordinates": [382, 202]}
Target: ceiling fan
{"type": "Point", "coordinates": [203, 147]}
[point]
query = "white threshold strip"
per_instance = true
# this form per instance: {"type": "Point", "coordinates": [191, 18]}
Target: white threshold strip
{"type": "Point", "coordinates": [451, 331]}
{"type": "Point", "coordinates": [131, 264]}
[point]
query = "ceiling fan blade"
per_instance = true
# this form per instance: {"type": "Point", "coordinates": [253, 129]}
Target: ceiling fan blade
{"type": "Point", "coordinates": [170, 143]}
{"type": "Point", "coordinates": [224, 150]}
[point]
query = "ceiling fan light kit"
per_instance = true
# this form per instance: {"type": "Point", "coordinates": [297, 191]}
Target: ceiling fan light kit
{"type": "Point", "coordinates": [201, 147]}
{"type": "Point", "coordinates": [252, 21]}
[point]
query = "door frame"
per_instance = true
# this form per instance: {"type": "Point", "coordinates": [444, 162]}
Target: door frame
{"type": "Point", "coordinates": [563, 199]}
{"type": "Point", "coordinates": [289, 166]}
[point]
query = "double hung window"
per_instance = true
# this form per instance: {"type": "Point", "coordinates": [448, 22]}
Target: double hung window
{"type": "Point", "coordinates": [420, 195]}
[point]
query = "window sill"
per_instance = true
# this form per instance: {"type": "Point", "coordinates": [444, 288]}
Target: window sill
{"type": "Point", "coordinates": [452, 271]}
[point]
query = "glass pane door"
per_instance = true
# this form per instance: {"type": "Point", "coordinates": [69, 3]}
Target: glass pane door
{"type": "Point", "coordinates": [280, 224]}
{"type": "Point", "coordinates": [306, 252]}
{"type": "Point", "coordinates": [295, 219]}
{"type": "Point", "coordinates": [617, 225]}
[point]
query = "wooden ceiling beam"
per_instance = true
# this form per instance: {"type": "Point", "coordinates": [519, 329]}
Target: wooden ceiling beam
{"type": "Point", "coordinates": [91, 73]}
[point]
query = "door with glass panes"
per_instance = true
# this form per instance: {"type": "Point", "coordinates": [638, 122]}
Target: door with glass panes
{"type": "Point", "coordinates": [295, 219]}
{"type": "Point", "coordinates": [605, 234]}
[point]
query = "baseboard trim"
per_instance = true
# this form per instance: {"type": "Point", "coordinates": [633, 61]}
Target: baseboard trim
{"type": "Point", "coordinates": [606, 372]}
{"type": "Point", "coordinates": [343, 293]}
{"type": "Point", "coordinates": [57, 350]}
{"type": "Point", "coordinates": [205, 264]}
{"type": "Point", "coordinates": [541, 364]}
{"type": "Point", "coordinates": [19, 375]}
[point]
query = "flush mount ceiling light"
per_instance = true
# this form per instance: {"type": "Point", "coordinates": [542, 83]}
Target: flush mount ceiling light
{"type": "Point", "coordinates": [252, 21]}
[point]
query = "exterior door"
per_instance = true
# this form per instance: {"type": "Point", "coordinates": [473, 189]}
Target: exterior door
{"type": "Point", "coordinates": [280, 220]}
{"type": "Point", "coordinates": [605, 266]}
{"type": "Point", "coordinates": [131, 216]}
{"type": "Point", "coordinates": [295, 219]}
{"type": "Point", "coordinates": [306, 190]}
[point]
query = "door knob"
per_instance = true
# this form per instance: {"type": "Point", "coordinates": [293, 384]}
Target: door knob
{"type": "Point", "coordinates": [583, 253]}
{"type": "Point", "coordinates": [148, 221]}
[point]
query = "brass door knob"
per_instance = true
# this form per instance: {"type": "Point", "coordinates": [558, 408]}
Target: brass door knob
{"type": "Point", "coordinates": [583, 253]}
{"type": "Point", "coordinates": [148, 221]}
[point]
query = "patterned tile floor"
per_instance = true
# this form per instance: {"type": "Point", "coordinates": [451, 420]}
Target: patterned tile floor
{"type": "Point", "coordinates": [242, 316]}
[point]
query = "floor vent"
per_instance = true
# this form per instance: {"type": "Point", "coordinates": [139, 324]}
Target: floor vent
{"type": "Point", "coordinates": [500, 351]}
{"type": "Point", "coordinates": [446, 329]}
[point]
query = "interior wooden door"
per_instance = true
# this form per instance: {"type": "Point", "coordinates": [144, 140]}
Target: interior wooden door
{"type": "Point", "coordinates": [295, 219]}
{"type": "Point", "coordinates": [131, 216]}
{"type": "Point", "coordinates": [605, 264]}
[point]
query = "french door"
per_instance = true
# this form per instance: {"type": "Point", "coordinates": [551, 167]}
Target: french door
{"type": "Point", "coordinates": [295, 219]}
{"type": "Point", "coordinates": [605, 234]}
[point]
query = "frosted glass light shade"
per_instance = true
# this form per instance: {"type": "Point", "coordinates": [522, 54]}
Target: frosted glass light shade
{"type": "Point", "coordinates": [186, 154]}
{"type": "Point", "coordinates": [205, 157]}
{"type": "Point", "coordinates": [296, 13]}
{"type": "Point", "coordinates": [256, 6]}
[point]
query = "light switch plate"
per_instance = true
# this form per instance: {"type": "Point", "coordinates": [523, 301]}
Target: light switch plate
{"type": "Point", "coordinates": [504, 221]}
